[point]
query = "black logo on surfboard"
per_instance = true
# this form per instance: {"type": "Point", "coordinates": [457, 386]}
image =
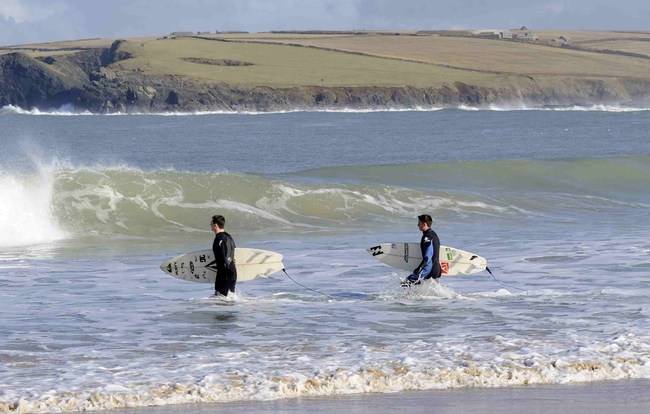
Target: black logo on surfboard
{"type": "Point", "coordinates": [376, 251]}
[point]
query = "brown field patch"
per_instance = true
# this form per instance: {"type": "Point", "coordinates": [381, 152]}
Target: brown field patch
{"type": "Point", "coordinates": [487, 55]}
{"type": "Point", "coordinates": [627, 46]}
{"type": "Point", "coordinates": [39, 53]}
{"type": "Point", "coordinates": [216, 62]}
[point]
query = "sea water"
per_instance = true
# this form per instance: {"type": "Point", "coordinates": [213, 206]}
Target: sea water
{"type": "Point", "coordinates": [557, 201]}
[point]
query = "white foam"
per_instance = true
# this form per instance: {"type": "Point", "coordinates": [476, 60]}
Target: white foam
{"type": "Point", "coordinates": [26, 210]}
{"type": "Point", "coordinates": [69, 110]}
{"type": "Point", "coordinates": [420, 366]}
{"type": "Point", "coordinates": [427, 290]}
{"type": "Point", "coordinates": [246, 209]}
{"type": "Point", "coordinates": [396, 201]}
{"type": "Point", "coordinates": [64, 110]}
{"type": "Point", "coordinates": [572, 108]}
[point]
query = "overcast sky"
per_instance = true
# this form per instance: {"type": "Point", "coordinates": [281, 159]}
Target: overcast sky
{"type": "Point", "coordinates": [31, 21]}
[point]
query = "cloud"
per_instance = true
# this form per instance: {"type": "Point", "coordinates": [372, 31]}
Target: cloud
{"type": "Point", "coordinates": [29, 21]}
{"type": "Point", "coordinates": [12, 9]}
{"type": "Point", "coordinates": [38, 13]}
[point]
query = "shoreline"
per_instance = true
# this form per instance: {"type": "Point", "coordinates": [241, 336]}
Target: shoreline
{"type": "Point", "coordinates": [629, 396]}
{"type": "Point", "coordinates": [71, 110]}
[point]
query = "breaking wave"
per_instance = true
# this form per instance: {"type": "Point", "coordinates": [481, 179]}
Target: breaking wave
{"type": "Point", "coordinates": [58, 201]}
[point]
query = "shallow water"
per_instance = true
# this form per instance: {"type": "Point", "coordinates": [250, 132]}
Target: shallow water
{"type": "Point", "coordinates": [557, 201]}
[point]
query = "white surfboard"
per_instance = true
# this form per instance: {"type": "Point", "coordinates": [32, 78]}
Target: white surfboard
{"type": "Point", "coordinates": [250, 263]}
{"type": "Point", "coordinates": [407, 256]}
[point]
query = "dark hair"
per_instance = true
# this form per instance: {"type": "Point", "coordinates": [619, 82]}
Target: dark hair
{"type": "Point", "coordinates": [425, 218]}
{"type": "Point", "coordinates": [219, 220]}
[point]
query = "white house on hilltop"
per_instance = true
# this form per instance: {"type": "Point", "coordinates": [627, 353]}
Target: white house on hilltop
{"type": "Point", "coordinates": [529, 36]}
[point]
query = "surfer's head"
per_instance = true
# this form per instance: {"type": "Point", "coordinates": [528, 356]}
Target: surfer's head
{"type": "Point", "coordinates": [424, 222]}
{"type": "Point", "coordinates": [218, 222]}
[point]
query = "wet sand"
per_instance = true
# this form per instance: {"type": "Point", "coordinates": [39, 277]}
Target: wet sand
{"type": "Point", "coordinates": [629, 397]}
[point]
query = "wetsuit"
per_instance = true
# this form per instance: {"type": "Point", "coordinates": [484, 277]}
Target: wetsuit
{"type": "Point", "coordinates": [429, 267]}
{"type": "Point", "coordinates": [224, 255]}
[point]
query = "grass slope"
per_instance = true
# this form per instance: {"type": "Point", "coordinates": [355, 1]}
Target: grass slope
{"type": "Point", "coordinates": [488, 55]}
{"type": "Point", "coordinates": [283, 66]}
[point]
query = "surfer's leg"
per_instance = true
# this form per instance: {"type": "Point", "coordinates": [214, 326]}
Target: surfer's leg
{"type": "Point", "coordinates": [221, 284]}
{"type": "Point", "coordinates": [232, 282]}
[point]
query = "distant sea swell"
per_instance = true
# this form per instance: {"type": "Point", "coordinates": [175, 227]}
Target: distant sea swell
{"type": "Point", "coordinates": [69, 110]}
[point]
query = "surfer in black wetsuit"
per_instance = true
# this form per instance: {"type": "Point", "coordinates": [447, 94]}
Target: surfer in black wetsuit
{"type": "Point", "coordinates": [429, 267]}
{"type": "Point", "coordinates": [224, 257]}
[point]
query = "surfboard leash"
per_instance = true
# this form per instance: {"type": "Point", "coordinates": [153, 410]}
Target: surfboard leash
{"type": "Point", "coordinates": [503, 284]}
{"type": "Point", "coordinates": [308, 288]}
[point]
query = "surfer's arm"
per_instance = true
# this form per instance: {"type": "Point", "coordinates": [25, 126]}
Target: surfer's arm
{"type": "Point", "coordinates": [219, 250]}
{"type": "Point", "coordinates": [427, 255]}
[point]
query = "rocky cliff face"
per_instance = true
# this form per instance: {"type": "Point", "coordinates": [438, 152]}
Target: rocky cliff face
{"type": "Point", "coordinates": [154, 94]}
{"type": "Point", "coordinates": [86, 80]}
{"type": "Point", "coordinates": [27, 83]}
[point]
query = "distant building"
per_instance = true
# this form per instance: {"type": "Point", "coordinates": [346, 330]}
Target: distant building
{"type": "Point", "coordinates": [506, 34]}
{"type": "Point", "coordinates": [529, 37]}
{"type": "Point", "coordinates": [203, 33]}
{"type": "Point", "coordinates": [565, 40]}
{"type": "Point", "coordinates": [181, 34]}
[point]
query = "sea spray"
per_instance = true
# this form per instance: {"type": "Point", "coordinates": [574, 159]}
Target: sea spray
{"type": "Point", "coordinates": [26, 212]}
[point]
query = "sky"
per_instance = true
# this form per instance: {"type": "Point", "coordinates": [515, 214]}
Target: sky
{"type": "Point", "coordinates": [34, 21]}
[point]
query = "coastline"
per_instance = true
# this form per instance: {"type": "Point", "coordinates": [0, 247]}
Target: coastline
{"type": "Point", "coordinates": [120, 79]}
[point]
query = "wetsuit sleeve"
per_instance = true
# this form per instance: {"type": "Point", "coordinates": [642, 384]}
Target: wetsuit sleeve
{"type": "Point", "coordinates": [427, 254]}
{"type": "Point", "coordinates": [214, 253]}
{"type": "Point", "coordinates": [219, 249]}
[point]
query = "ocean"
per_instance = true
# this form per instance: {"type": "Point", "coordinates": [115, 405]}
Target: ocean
{"type": "Point", "coordinates": [556, 199]}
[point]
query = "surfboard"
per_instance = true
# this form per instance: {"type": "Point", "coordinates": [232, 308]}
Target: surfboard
{"type": "Point", "coordinates": [407, 256]}
{"type": "Point", "coordinates": [251, 264]}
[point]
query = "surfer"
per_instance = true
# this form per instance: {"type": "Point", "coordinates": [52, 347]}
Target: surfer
{"type": "Point", "coordinates": [429, 267]}
{"type": "Point", "coordinates": [224, 257]}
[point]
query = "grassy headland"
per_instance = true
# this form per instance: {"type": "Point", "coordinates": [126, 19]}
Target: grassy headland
{"type": "Point", "coordinates": [269, 71]}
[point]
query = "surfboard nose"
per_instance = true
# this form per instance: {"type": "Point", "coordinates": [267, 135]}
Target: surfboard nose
{"type": "Point", "coordinates": [375, 250]}
{"type": "Point", "coordinates": [166, 267]}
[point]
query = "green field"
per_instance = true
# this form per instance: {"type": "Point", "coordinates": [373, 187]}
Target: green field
{"type": "Point", "coordinates": [369, 59]}
{"type": "Point", "coordinates": [284, 66]}
{"type": "Point", "coordinates": [488, 55]}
